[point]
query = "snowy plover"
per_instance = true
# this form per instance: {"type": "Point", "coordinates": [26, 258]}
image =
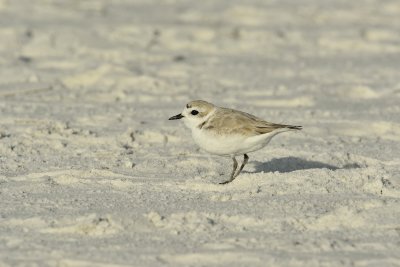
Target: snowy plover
{"type": "Point", "coordinates": [228, 132]}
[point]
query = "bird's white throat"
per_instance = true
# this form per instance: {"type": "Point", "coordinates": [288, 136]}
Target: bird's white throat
{"type": "Point", "coordinates": [194, 123]}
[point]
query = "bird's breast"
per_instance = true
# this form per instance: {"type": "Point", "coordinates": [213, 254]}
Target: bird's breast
{"type": "Point", "coordinates": [229, 144]}
{"type": "Point", "coordinates": [218, 144]}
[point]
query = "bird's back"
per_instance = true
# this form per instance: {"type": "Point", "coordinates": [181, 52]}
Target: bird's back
{"type": "Point", "coordinates": [230, 121]}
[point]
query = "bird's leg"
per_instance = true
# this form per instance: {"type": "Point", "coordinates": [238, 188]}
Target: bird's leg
{"type": "Point", "coordinates": [245, 160]}
{"type": "Point", "coordinates": [235, 165]}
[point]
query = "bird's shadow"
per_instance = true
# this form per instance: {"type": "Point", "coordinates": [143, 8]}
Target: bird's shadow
{"type": "Point", "coordinates": [290, 164]}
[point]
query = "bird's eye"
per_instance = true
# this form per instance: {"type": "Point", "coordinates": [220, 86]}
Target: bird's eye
{"type": "Point", "coordinates": [194, 112]}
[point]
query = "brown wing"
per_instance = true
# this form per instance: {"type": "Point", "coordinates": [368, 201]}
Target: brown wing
{"type": "Point", "coordinates": [273, 126]}
{"type": "Point", "coordinates": [238, 122]}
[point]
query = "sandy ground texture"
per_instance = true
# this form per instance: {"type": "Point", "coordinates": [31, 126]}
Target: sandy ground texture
{"type": "Point", "coordinates": [93, 174]}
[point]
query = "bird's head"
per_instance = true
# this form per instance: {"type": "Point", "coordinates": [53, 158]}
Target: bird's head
{"type": "Point", "coordinates": [194, 113]}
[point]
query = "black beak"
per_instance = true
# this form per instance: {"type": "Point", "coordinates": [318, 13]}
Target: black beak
{"type": "Point", "coordinates": [176, 117]}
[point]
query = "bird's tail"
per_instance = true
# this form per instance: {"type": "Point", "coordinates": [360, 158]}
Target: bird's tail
{"type": "Point", "coordinates": [292, 127]}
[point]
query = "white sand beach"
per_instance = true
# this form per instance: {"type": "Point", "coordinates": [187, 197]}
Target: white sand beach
{"type": "Point", "coordinates": [92, 173]}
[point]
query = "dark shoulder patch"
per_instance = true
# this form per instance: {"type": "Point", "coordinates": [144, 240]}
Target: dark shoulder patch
{"type": "Point", "coordinates": [202, 124]}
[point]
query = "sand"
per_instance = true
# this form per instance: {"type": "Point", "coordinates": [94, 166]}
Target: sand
{"type": "Point", "coordinates": [93, 174]}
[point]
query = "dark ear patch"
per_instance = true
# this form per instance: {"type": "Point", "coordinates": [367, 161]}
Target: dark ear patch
{"type": "Point", "coordinates": [188, 106]}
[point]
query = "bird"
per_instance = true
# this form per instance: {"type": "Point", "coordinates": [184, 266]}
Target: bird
{"type": "Point", "coordinates": [228, 132]}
